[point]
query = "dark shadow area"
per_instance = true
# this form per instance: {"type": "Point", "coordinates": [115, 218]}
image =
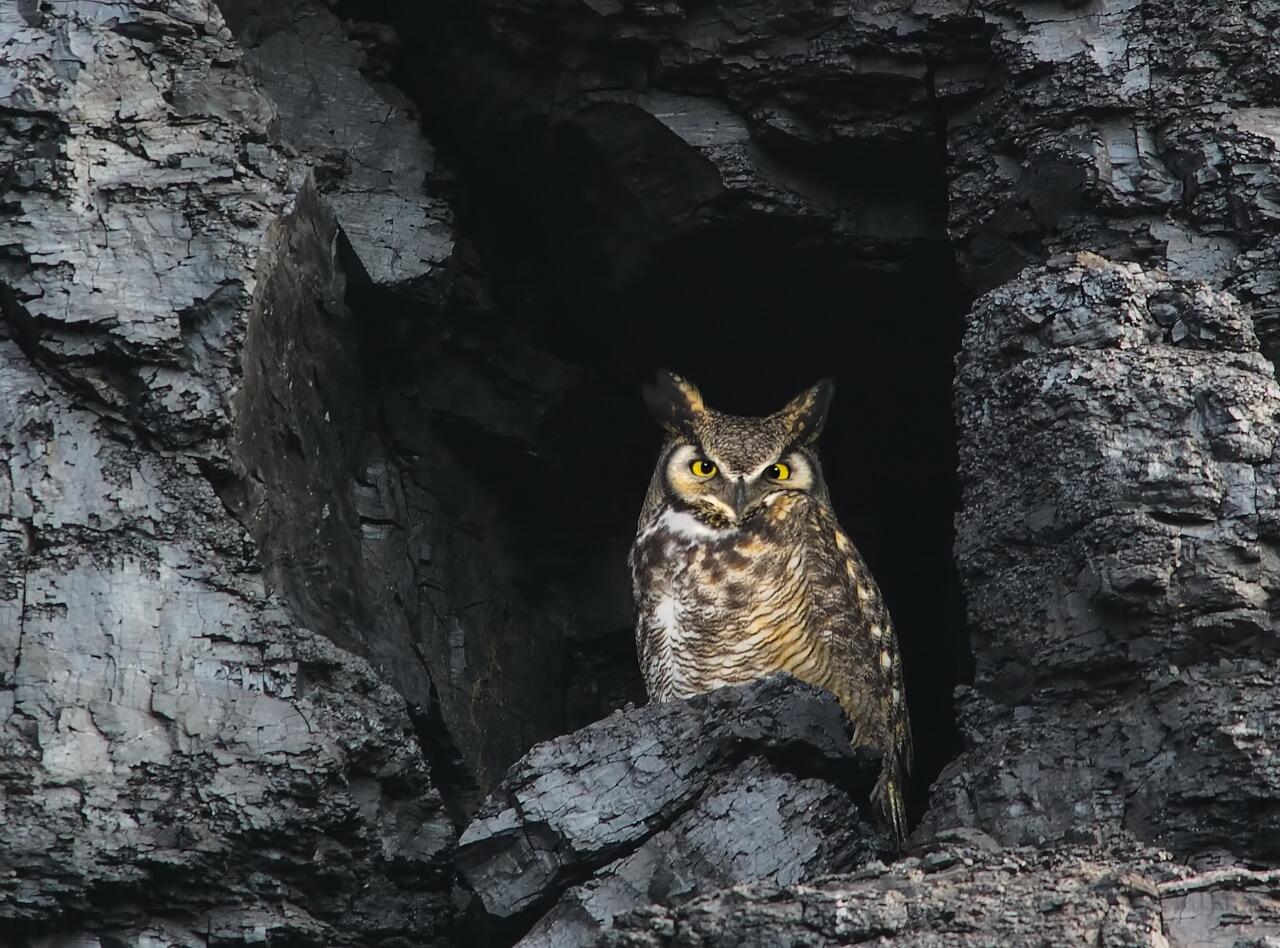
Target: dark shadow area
{"type": "Point", "coordinates": [753, 310]}
{"type": "Point", "coordinates": [595, 246]}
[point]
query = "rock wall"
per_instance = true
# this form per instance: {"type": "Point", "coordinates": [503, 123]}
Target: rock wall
{"type": "Point", "coordinates": [974, 893]}
{"type": "Point", "coordinates": [1122, 567]}
{"type": "Point", "coordinates": [184, 761]}
{"type": "Point", "coordinates": [1117, 415]}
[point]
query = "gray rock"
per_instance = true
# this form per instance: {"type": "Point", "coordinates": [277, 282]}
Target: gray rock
{"type": "Point", "coordinates": [814, 115]}
{"type": "Point", "coordinates": [1140, 131]}
{"type": "Point", "coordinates": [271, 418]}
{"type": "Point", "coordinates": [667, 801]}
{"type": "Point", "coordinates": [358, 453]}
{"type": "Point", "coordinates": [1118, 544]}
{"type": "Point", "coordinates": [963, 896]}
{"type": "Point", "coordinates": [361, 138]}
{"type": "Point", "coordinates": [182, 759]}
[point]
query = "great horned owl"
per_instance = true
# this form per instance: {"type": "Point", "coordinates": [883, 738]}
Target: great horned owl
{"type": "Point", "coordinates": [739, 569]}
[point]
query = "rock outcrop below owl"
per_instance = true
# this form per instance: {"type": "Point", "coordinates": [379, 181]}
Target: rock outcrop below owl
{"type": "Point", "coordinates": [739, 569]}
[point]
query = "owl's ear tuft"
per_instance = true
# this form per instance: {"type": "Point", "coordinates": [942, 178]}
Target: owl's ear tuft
{"type": "Point", "coordinates": [675, 403]}
{"type": "Point", "coordinates": [805, 414]}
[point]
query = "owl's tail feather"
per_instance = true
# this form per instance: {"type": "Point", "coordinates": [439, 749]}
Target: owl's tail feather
{"type": "Point", "coordinates": [887, 795]}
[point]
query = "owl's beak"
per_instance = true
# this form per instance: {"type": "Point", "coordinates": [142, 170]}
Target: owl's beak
{"type": "Point", "coordinates": [740, 497]}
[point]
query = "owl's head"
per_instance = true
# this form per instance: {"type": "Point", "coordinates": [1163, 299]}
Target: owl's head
{"type": "Point", "coordinates": [726, 468]}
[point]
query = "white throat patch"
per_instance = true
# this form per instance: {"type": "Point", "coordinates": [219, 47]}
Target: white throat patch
{"type": "Point", "coordinates": [688, 527]}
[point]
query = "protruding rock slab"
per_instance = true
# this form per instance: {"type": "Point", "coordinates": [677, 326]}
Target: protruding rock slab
{"type": "Point", "coordinates": [669, 801]}
{"type": "Point", "coordinates": [360, 137]}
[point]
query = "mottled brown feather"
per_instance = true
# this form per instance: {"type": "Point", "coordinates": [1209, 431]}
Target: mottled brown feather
{"type": "Point", "coordinates": [783, 589]}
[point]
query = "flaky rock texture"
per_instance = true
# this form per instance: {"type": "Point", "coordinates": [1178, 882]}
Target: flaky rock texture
{"type": "Point", "coordinates": [182, 761]}
{"type": "Point", "coordinates": [980, 895]}
{"type": "Point", "coordinates": [1126, 655]}
{"type": "Point", "coordinates": [1118, 429]}
{"type": "Point", "coordinates": [669, 801]}
{"type": "Point", "coordinates": [1137, 130]}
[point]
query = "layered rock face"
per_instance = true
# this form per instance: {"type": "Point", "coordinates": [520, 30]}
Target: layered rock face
{"type": "Point", "coordinates": [973, 893]}
{"type": "Point", "coordinates": [1126, 653]}
{"type": "Point", "coordinates": [184, 761]}
{"type": "Point", "coordinates": [1117, 429]}
{"type": "Point", "coordinates": [319, 453]}
{"type": "Point", "coordinates": [670, 802]}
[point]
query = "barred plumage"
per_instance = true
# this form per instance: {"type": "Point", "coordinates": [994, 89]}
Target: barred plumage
{"type": "Point", "coordinates": [739, 569]}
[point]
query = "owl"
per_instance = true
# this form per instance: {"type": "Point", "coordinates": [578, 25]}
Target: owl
{"type": "Point", "coordinates": [739, 569]}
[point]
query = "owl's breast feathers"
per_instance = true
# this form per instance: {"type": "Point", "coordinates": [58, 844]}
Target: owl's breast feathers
{"type": "Point", "coordinates": [786, 592]}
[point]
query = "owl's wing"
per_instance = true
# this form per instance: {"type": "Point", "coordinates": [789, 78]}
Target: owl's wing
{"type": "Point", "coordinates": [849, 612]}
{"type": "Point", "coordinates": [649, 622]}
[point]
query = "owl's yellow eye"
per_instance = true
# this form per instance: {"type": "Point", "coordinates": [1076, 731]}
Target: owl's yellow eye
{"type": "Point", "coordinates": [702, 468]}
{"type": "Point", "coordinates": [778, 472]}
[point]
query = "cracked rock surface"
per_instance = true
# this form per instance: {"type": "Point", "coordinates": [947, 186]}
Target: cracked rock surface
{"type": "Point", "coordinates": [1126, 654]}
{"type": "Point", "coordinates": [182, 761]}
{"type": "Point", "coordinates": [1141, 131]}
{"type": "Point", "coordinates": [974, 893]}
{"type": "Point", "coordinates": [668, 801]}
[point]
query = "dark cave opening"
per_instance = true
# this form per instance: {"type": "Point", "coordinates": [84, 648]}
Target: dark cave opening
{"type": "Point", "coordinates": [753, 310]}
{"type": "Point", "coordinates": [752, 328]}
{"type": "Point", "coordinates": [594, 248]}
{"type": "Point", "coordinates": [888, 448]}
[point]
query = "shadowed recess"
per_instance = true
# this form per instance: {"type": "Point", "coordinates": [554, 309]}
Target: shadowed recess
{"type": "Point", "coordinates": [595, 244]}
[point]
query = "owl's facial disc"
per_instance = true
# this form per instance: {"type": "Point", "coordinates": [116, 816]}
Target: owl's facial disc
{"type": "Point", "coordinates": [721, 494]}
